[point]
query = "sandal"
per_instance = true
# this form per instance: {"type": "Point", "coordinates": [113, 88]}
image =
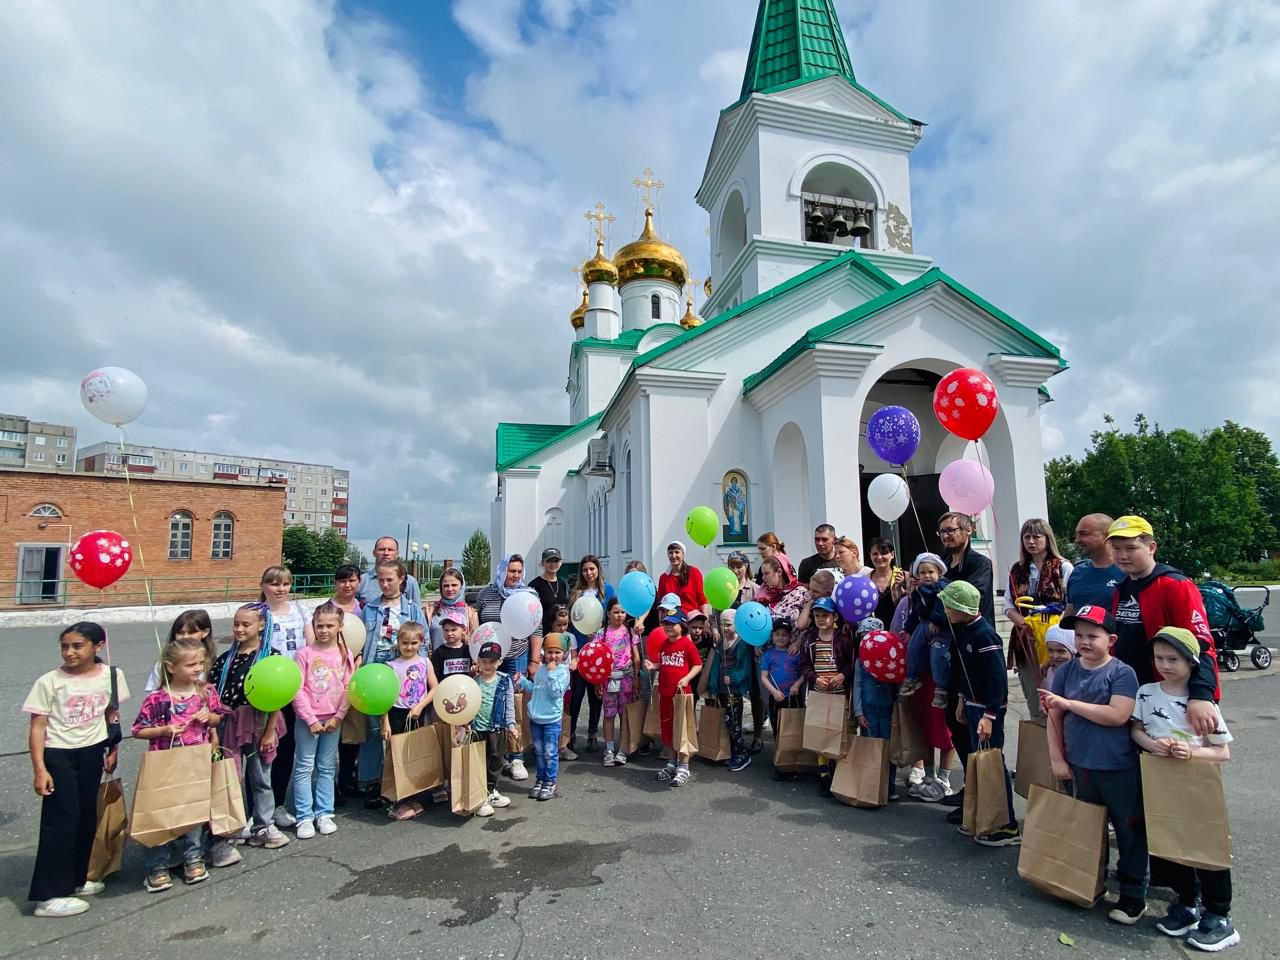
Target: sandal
{"type": "Point", "coordinates": [681, 777]}
{"type": "Point", "coordinates": [405, 811]}
{"type": "Point", "coordinates": [667, 772]}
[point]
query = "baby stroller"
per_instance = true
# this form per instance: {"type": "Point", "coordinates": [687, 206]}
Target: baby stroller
{"type": "Point", "coordinates": [1234, 627]}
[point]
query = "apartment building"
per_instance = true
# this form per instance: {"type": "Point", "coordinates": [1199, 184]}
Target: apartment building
{"type": "Point", "coordinates": [316, 496]}
{"type": "Point", "coordinates": [35, 445]}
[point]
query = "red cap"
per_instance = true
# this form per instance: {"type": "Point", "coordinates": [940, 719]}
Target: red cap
{"type": "Point", "coordinates": [1092, 613]}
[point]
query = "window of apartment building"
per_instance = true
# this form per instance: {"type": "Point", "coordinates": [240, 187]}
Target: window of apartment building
{"type": "Point", "coordinates": [8, 453]}
{"type": "Point", "coordinates": [60, 458]}
{"type": "Point", "coordinates": [204, 468]}
{"type": "Point", "coordinates": [184, 467]}
{"type": "Point", "coordinates": [62, 441]}
{"type": "Point", "coordinates": [293, 504]}
{"type": "Point", "coordinates": [38, 457]}
{"type": "Point", "coordinates": [324, 491]}
{"type": "Point", "coordinates": [293, 489]}
{"type": "Point", "coordinates": [223, 532]}
{"type": "Point", "coordinates": [46, 510]}
{"type": "Point", "coordinates": [293, 516]}
{"type": "Point", "coordinates": [180, 524]}
{"type": "Point", "coordinates": [246, 471]}
{"type": "Point", "coordinates": [310, 491]}
{"type": "Point", "coordinates": [306, 517]}
{"type": "Point", "coordinates": [308, 504]}
{"type": "Point", "coordinates": [15, 437]}
{"type": "Point", "coordinates": [39, 441]}
{"type": "Point", "coordinates": [137, 460]}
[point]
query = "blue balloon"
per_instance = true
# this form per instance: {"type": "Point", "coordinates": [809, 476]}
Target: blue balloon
{"type": "Point", "coordinates": [856, 598]}
{"type": "Point", "coordinates": [893, 434]}
{"type": "Point", "coordinates": [753, 623]}
{"type": "Point", "coordinates": [636, 593]}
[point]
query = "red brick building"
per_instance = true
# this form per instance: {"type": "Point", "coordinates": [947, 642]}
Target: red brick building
{"type": "Point", "coordinates": [201, 540]}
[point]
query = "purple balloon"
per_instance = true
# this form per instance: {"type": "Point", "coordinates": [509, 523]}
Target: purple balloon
{"type": "Point", "coordinates": [856, 598]}
{"type": "Point", "coordinates": [893, 433]}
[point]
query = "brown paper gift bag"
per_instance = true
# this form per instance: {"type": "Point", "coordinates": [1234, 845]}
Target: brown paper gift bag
{"type": "Point", "coordinates": [566, 734]}
{"type": "Point", "coordinates": [468, 788]}
{"type": "Point", "coordinates": [826, 724]}
{"type": "Point", "coordinates": [444, 736]}
{"type": "Point", "coordinates": [653, 717]}
{"type": "Point", "coordinates": [907, 744]}
{"type": "Point", "coordinates": [789, 754]}
{"type": "Point", "coordinates": [1186, 812]}
{"type": "Point", "coordinates": [1064, 846]}
{"type": "Point", "coordinates": [684, 725]}
{"type": "Point", "coordinates": [226, 799]}
{"type": "Point", "coordinates": [713, 735]}
{"type": "Point", "coordinates": [112, 832]}
{"type": "Point", "coordinates": [524, 733]}
{"type": "Point", "coordinates": [1033, 767]}
{"type": "Point", "coordinates": [355, 727]}
{"type": "Point", "coordinates": [635, 717]}
{"type": "Point", "coordinates": [413, 764]}
{"type": "Point", "coordinates": [172, 793]}
{"type": "Point", "coordinates": [861, 778]}
{"type": "Point", "coordinates": [986, 806]}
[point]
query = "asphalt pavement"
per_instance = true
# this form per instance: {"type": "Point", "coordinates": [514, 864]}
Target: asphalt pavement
{"type": "Point", "coordinates": [731, 866]}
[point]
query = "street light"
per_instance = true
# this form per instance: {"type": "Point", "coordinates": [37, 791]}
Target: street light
{"type": "Point", "coordinates": [426, 549]}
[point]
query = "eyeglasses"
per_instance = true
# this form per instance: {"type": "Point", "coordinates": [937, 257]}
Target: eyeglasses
{"type": "Point", "coordinates": [949, 531]}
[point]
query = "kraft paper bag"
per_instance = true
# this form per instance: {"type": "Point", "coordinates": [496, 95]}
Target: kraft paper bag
{"type": "Point", "coordinates": [566, 730]}
{"type": "Point", "coordinates": [826, 724]}
{"type": "Point", "coordinates": [789, 754]}
{"type": "Point", "coordinates": [111, 833]}
{"type": "Point", "coordinates": [444, 735]}
{"type": "Point", "coordinates": [226, 799]}
{"type": "Point", "coordinates": [861, 778]}
{"type": "Point", "coordinates": [524, 733]}
{"type": "Point", "coordinates": [355, 726]}
{"type": "Point", "coordinates": [986, 807]}
{"type": "Point", "coordinates": [172, 795]}
{"type": "Point", "coordinates": [635, 717]}
{"type": "Point", "coordinates": [1033, 767]}
{"type": "Point", "coordinates": [907, 744]}
{"type": "Point", "coordinates": [1064, 846]}
{"type": "Point", "coordinates": [713, 735]}
{"type": "Point", "coordinates": [413, 764]}
{"type": "Point", "coordinates": [653, 717]}
{"type": "Point", "coordinates": [684, 727]}
{"type": "Point", "coordinates": [1186, 812]}
{"type": "Point", "coordinates": [468, 788]}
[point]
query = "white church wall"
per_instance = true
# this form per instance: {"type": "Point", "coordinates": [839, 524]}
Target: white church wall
{"type": "Point", "coordinates": [637, 303]}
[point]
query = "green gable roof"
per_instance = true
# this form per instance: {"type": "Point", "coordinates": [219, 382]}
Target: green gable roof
{"type": "Point", "coordinates": [823, 331]}
{"type": "Point", "coordinates": [795, 40]}
{"type": "Point", "coordinates": [518, 442]}
{"type": "Point", "coordinates": [626, 340]}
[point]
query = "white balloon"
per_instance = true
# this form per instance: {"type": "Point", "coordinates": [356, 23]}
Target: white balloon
{"type": "Point", "coordinates": [521, 614]}
{"type": "Point", "coordinates": [490, 633]}
{"type": "Point", "coordinates": [457, 700]}
{"type": "Point", "coordinates": [114, 395]}
{"type": "Point", "coordinates": [888, 496]}
{"type": "Point", "coordinates": [587, 615]}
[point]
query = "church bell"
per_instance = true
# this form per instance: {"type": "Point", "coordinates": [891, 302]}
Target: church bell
{"type": "Point", "coordinates": [838, 226]}
{"type": "Point", "coordinates": [816, 220]}
{"type": "Point", "coordinates": [859, 228]}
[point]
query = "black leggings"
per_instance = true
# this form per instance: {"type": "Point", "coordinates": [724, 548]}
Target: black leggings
{"type": "Point", "coordinates": [282, 766]}
{"type": "Point", "coordinates": [580, 689]}
{"type": "Point", "coordinates": [68, 820]}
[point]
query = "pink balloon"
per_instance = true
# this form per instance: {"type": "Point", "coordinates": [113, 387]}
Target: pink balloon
{"type": "Point", "coordinates": [967, 486]}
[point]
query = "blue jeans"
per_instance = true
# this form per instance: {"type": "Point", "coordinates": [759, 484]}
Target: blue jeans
{"type": "Point", "coordinates": [546, 749]}
{"type": "Point", "coordinates": [935, 651]}
{"type": "Point", "coordinates": [189, 846]}
{"type": "Point", "coordinates": [515, 667]}
{"type": "Point", "coordinates": [972, 715]}
{"type": "Point", "coordinates": [316, 752]}
{"type": "Point", "coordinates": [880, 725]}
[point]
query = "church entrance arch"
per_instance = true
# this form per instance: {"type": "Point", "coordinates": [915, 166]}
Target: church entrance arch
{"type": "Point", "coordinates": [791, 514]}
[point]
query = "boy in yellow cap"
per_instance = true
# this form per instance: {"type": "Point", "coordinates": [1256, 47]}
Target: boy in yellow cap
{"type": "Point", "coordinates": [1161, 726]}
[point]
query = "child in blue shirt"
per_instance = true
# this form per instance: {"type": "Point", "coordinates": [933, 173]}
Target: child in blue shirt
{"type": "Point", "coordinates": [873, 699]}
{"type": "Point", "coordinates": [546, 706]}
{"type": "Point", "coordinates": [926, 627]}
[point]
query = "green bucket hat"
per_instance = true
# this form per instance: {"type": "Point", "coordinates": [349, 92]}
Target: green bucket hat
{"type": "Point", "coordinates": [961, 596]}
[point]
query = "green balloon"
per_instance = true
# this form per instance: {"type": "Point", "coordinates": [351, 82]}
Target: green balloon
{"type": "Point", "coordinates": [373, 689]}
{"type": "Point", "coordinates": [272, 683]}
{"type": "Point", "coordinates": [721, 587]}
{"type": "Point", "coordinates": [702, 524]}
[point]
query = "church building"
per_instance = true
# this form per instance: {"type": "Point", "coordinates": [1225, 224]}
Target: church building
{"type": "Point", "coordinates": [819, 312]}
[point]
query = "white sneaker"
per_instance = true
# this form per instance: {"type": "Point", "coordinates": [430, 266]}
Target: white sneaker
{"type": "Point", "coordinates": [284, 819]}
{"type": "Point", "coordinates": [325, 825]}
{"type": "Point", "coordinates": [620, 759]}
{"type": "Point", "coordinates": [270, 838]}
{"type": "Point", "coordinates": [915, 776]}
{"type": "Point", "coordinates": [518, 772]}
{"type": "Point", "coordinates": [498, 800]}
{"type": "Point", "coordinates": [306, 829]}
{"type": "Point", "coordinates": [241, 837]}
{"type": "Point", "coordinates": [223, 854]}
{"type": "Point", "coordinates": [485, 810]}
{"type": "Point", "coordinates": [61, 907]}
{"type": "Point", "coordinates": [609, 758]}
{"type": "Point", "coordinates": [90, 888]}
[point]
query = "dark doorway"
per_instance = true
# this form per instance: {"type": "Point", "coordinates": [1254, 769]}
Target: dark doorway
{"type": "Point", "coordinates": [928, 505]}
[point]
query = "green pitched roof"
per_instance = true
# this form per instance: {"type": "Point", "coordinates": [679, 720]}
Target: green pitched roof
{"type": "Point", "coordinates": [626, 340]}
{"type": "Point", "coordinates": [823, 331]}
{"type": "Point", "coordinates": [795, 40]}
{"type": "Point", "coordinates": [518, 442]}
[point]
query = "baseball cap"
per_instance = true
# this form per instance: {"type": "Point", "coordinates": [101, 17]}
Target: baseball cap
{"type": "Point", "coordinates": [825, 603]}
{"type": "Point", "coordinates": [783, 623]}
{"type": "Point", "coordinates": [669, 601]}
{"type": "Point", "coordinates": [551, 553]}
{"type": "Point", "coordinates": [676, 616]}
{"type": "Point", "coordinates": [1090, 613]}
{"type": "Point", "coordinates": [1182, 639]}
{"type": "Point", "coordinates": [697, 615]}
{"type": "Point", "coordinates": [1128, 527]}
{"type": "Point", "coordinates": [490, 651]}
{"type": "Point", "coordinates": [456, 615]}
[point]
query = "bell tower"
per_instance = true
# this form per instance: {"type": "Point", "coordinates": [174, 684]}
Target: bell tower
{"type": "Point", "coordinates": [806, 163]}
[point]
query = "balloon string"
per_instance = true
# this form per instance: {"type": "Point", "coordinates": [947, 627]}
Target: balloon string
{"type": "Point", "coordinates": [142, 562]}
{"type": "Point", "coordinates": [924, 542]}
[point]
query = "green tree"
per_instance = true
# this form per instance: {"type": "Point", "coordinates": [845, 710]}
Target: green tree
{"type": "Point", "coordinates": [477, 564]}
{"type": "Point", "coordinates": [300, 549]}
{"type": "Point", "coordinates": [1213, 497]}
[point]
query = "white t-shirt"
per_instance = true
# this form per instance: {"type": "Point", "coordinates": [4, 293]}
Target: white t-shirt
{"type": "Point", "coordinates": [288, 631]}
{"type": "Point", "coordinates": [1163, 715]}
{"type": "Point", "coordinates": [76, 705]}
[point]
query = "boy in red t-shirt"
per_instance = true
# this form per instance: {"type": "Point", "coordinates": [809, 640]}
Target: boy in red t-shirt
{"type": "Point", "coordinates": [678, 663]}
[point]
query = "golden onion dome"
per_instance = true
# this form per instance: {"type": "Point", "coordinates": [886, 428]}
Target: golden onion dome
{"type": "Point", "coordinates": [690, 319]}
{"type": "Point", "coordinates": [649, 258]}
{"type": "Point", "coordinates": [600, 269]}
{"type": "Point", "coordinates": [578, 319]}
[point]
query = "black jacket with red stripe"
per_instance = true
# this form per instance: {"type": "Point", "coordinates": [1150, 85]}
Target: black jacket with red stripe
{"type": "Point", "coordinates": [1142, 608]}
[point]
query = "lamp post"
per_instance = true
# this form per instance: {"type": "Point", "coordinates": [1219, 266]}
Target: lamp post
{"type": "Point", "coordinates": [426, 549]}
{"type": "Point", "coordinates": [413, 563]}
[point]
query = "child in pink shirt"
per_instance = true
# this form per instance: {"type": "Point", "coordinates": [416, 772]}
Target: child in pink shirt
{"type": "Point", "coordinates": [619, 689]}
{"type": "Point", "coordinates": [319, 707]}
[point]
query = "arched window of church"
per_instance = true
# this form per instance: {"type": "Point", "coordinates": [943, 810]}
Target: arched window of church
{"type": "Point", "coordinates": [626, 503]}
{"type": "Point", "coordinates": [655, 307]}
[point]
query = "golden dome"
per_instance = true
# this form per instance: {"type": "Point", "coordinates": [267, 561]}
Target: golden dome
{"type": "Point", "coordinates": [649, 258]}
{"type": "Point", "coordinates": [690, 319]}
{"type": "Point", "coordinates": [600, 269]}
{"type": "Point", "coordinates": [578, 319]}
